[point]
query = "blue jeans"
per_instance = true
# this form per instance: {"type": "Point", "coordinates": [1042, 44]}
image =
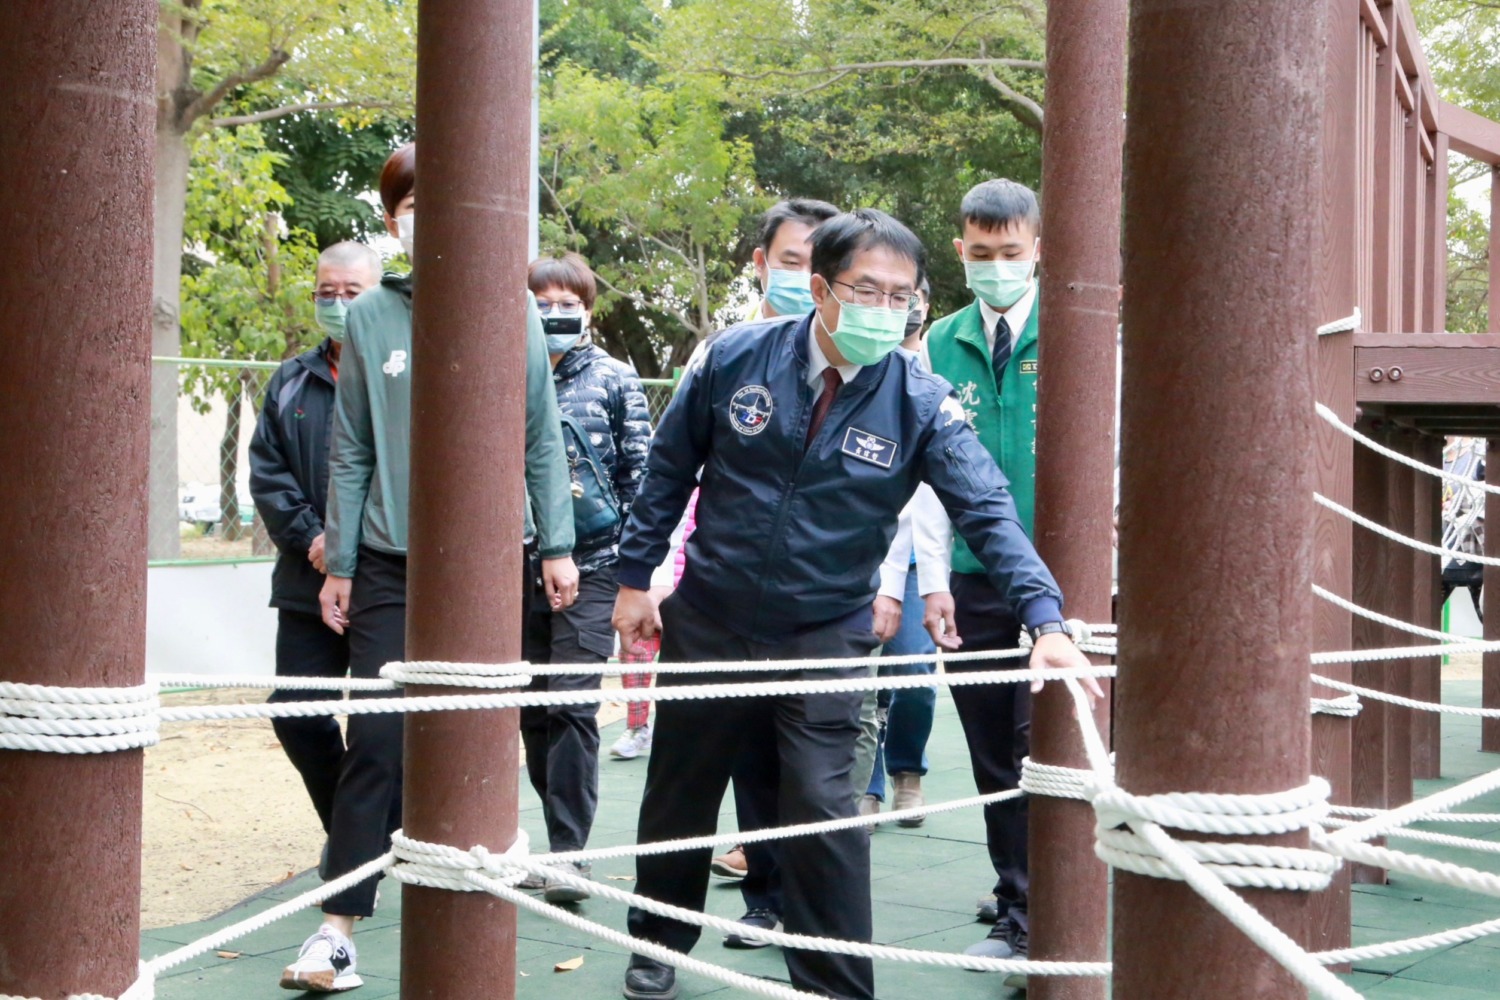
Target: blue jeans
{"type": "Point", "coordinates": [903, 744]}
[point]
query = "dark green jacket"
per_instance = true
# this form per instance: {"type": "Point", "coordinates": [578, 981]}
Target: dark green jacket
{"type": "Point", "coordinates": [370, 458]}
{"type": "Point", "coordinates": [1003, 416]}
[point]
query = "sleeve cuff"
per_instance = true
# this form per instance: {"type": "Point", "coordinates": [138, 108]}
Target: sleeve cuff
{"type": "Point", "coordinates": [892, 582]}
{"type": "Point", "coordinates": [556, 552]}
{"type": "Point", "coordinates": [635, 575]}
{"type": "Point", "coordinates": [1039, 610]}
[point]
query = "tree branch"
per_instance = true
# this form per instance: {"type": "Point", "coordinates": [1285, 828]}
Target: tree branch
{"type": "Point", "coordinates": [204, 103]}
{"type": "Point", "coordinates": [961, 61]}
{"type": "Point", "coordinates": [292, 109]}
{"type": "Point", "coordinates": [1027, 111]}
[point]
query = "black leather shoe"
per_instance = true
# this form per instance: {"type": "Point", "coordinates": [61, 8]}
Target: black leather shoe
{"type": "Point", "coordinates": [650, 980]}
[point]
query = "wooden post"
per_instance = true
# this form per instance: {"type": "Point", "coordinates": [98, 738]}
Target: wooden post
{"type": "Point", "coordinates": [76, 126]}
{"type": "Point", "coordinates": [1399, 587]}
{"type": "Point", "coordinates": [1196, 347]}
{"type": "Point", "coordinates": [474, 60]}
{"type": "Point", "coordinates": [1413, 217]}
{"type": "Point", "coordinates": [1426, 672]}
{"type": "Point", "coordinates": [1437, 237]}
{"type": "Point", "coordinates": [1081, 164]}
{"type": "Point", "coordinates": [1390, 130]}
{"type": "Point", "coordinates": [1338, 295]}
{"type": "Point", "coordinates": [1370, 552]}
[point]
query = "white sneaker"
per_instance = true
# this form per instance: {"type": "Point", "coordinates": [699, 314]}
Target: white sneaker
{"type": "Point", "coordinates": [632, 743]}
{"type": "Point", "coordinates": [324, 965]}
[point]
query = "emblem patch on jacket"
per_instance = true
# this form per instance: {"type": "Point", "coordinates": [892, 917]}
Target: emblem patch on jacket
{"type": "Point", "coordinates": [396, 365]}
{"type": "Point", "coordinates": [869, 447]}
{"type": "Point", "coordinates": [1029, 367]}
{"type": "Point", "coordinates": [750, 409]}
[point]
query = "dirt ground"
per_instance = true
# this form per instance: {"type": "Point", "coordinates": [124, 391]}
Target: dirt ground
{"type": "Point", "coordinates": [226, 816]}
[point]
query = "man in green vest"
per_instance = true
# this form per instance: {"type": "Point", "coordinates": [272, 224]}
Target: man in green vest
{"type": "Point", "coordinates": [988, 351]}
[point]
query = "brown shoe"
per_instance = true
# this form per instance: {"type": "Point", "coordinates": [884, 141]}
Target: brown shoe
{"type": "Point", "coordinates": [731, 864]}
{"type": "Point", "coordinates": [869, 805]}
{"type": "Point", "coordinates": [908, 796]}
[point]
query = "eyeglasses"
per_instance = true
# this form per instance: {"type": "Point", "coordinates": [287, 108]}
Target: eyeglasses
{"type": "Point", "coordinates": [866, 295]}
{"type": "Point", "coordinates": [565, 308]}
{"type": "Point", "coordinates": [322, 299]}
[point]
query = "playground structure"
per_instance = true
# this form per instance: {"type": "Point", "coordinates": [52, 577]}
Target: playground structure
{"type": "Point", "coordinates": [1236, 230]}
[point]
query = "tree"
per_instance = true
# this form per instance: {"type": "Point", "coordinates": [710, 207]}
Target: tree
{"type": "Point", "coordinates": [328, 168]}
{"type": "Point", "coordinates": [247, 289]}
{"type": "Point", "coordinates": [1462, 40]}
{"type": "Point", "coordinates": [262, 59]}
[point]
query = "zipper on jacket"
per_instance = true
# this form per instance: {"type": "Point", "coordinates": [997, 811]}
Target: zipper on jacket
{"type": "Point", "coordinates": [785, 503]}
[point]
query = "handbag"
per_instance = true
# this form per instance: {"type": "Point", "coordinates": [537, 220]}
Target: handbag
{"type": "Point", "coordinates": [596, 512]}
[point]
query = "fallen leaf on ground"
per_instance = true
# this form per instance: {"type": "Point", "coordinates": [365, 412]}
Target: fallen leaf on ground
{"type": "Point", "coordinates": [228, 954]}
{"type": "Point", "coordinates": [569, 965]}
{"type": "Point", "coordinates": [525, 973]}
{"type": "Point", "coordinates": [621, 878]}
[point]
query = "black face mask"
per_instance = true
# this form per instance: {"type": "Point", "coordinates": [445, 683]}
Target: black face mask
{"type": "Point", "coordinates": [914, 321]}
{"type": "Point", "coordinates": [562, 326]}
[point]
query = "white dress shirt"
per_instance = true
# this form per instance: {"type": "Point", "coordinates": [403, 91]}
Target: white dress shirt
{"type": "Point", "coordinates": [817, 361]}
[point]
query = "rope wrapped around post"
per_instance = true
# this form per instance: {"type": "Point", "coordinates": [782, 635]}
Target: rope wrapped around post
{"type": "Point", "coordinates": [77, 720]}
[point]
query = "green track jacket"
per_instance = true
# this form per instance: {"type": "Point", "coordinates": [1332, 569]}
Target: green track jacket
{"type": "Point", "coordinates": [370, 457]}
{"type": "Point", "coordinates": [1003, 416]}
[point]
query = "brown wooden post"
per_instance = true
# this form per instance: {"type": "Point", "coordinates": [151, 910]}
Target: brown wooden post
{"type": "Point", "coordinates": [474, 64]}
{"type": "Point", "coordinates": [1370, 553]}
{"type": "Point", "coordinates": [1413, 221]}
{"type": "Point", "coordinates": [1196, 613]}
{"type": "Point", "coordinates": [1081, 164]}
{"type": "Point", "coordinates": [1494, 301]}
{"type": "Point", "coordinates": [1437, 237]}
{"type": "Point", "coordinates": [1399, 587]}
{"type": "Point", "coordinates": [1338, 295]}
{"type": "Point", "coordinates": [1489, 730]}
{"type": "Point", "coordinates": [1390, 117]}
{"type": "Point", "coordinates": [1426, 672]}
{"type": "Point", "coordinates": [76, 127]}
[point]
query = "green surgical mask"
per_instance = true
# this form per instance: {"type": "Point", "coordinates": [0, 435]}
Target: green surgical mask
{"type": "Point", "coordinates": [867, 333]}
{"type": "Point", "coordinates": [1000, 284]}
{"type": "Point", "coordinates": [331, 318]}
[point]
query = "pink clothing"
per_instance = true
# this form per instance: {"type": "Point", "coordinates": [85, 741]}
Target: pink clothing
{"type": "Point", "coordinates": [638, 713]}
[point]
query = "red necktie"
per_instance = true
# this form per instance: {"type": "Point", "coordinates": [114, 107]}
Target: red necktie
{"type": "Point", "coordinates": [831, 382]}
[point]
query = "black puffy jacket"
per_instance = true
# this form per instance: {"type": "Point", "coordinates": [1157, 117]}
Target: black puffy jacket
{"type": "Point", "coordinates": [289, 472]}
{"type": "Point", "coordinates": [605, 397]}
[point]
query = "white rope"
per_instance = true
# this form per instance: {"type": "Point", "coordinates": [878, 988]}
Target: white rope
{"type": "Point", "coordinates": [1406, 540]}
{"type": "Point", "coordinates": [774, 833]}
{"type": "Point", "coordinates": [1376, 616]}
{"type": "Point", "coordinates": [1441, 872]}
{"type": "Point", "coordinates": [1404, 653]}
{"type": "Point", "coordinates": [1406, 946]}
{"type": "Point", "coordinates": [1346, 706]}
{"type": "Point", "coordinates": [278, 682]}
{"type": "Point", "coordinates": [1432, 470]}
{"type": "Point", "coordinates": [1439, 802]}
{"type": "Point", "coordinates": [144, 988]}
{"type": "Point", "coordinates": [439, 865]}
{"type": "Point", "coordinates": [1428, 837]}
{"type": "Point", "coordinates": [1442, 817]}
{"type": "Point", "coordinates": [1405, 702]}
{"type": "Point", "coordinates": [1345, 325]}
{"type": "Point", "coordinates": [517, 699]}
{"type": "Point", "coordinates": [77, 719]}
{"type": "Point", "coordinates": [1057, 781]}
{"type": "Point", "coordinates": [491, 676]}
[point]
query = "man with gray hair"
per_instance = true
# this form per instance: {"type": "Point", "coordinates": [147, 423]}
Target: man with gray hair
{"type": "Point", "coordinates": [289, 481]}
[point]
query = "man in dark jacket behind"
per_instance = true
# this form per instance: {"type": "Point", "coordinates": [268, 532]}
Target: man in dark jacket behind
{"type": "Point", "coordinates": [289, 481]}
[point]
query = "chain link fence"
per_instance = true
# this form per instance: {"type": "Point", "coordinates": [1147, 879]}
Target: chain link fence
{"type": "Point", "coordinates": [202, 460]}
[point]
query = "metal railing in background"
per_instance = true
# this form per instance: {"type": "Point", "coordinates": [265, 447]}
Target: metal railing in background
{"type": "Point", "coordinates": [218, 401]}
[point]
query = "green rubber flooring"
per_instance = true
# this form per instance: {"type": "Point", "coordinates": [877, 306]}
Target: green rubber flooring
{"type": "Point", "coordinates": [925, 882]}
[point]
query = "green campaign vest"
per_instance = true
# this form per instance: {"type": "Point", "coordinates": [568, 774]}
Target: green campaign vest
{"type": "Point", "coordinates": [1003, 416]}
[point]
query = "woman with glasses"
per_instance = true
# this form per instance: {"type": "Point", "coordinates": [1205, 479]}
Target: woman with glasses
{"type": "Point", "coordinates": [606, 433]}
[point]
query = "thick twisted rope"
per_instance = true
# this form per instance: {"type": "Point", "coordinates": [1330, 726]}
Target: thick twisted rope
{"type": "Point", "coordinates": [1432, 470]}
{"type": "Point", "coordinates": [1345, 325]}
{"type": "Point", "coordinates": [1406, 540]}
{"type": "Point", "coordinates": [77, 719]}
{"type": "Point", "coordinates": [1376, 616]}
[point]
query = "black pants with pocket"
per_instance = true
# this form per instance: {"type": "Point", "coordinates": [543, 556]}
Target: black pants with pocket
{"type": "Point", "coordinates": [367, 800]}
{"type": "Point", "coordinates": [305, 647]}
{"type": "Point", "coordinates": [997, 726]}
{"type": "Point", "coordinates": [809, 739]}
{"type": "Point", "coordinates": [562, 741]}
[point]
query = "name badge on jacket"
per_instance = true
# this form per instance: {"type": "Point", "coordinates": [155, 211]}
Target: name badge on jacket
{"type": "Point", "coordinates": [869, 447]}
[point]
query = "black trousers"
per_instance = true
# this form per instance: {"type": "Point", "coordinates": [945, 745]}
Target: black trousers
{"type": "Point", "coordinates": [810, 740]}
{"type": "Point", "coordinates": [305, 647]}
{"type": "Point", "coordinates": [562, 741]}
{"type": "Point", "coordinates": [757, 783]}
{"type": "Point", "coordinates": [997, 726]}
{"type": "Point", "coordinates": [367, 798]}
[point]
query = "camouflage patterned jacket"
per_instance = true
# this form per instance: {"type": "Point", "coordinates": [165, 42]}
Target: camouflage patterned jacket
{"type": "Point", "coordinates": [605, 397]}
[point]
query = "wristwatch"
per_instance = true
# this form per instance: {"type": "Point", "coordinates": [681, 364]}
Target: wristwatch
{"type": "Point", "coordinates": [1047, 628]}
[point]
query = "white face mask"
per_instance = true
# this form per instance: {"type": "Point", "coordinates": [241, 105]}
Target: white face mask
{"type": "Point", "coordinates": [406, 231]}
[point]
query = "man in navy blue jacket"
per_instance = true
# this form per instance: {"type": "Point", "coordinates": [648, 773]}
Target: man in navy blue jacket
{"type": "Point", "coordinates": [811, 437]}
